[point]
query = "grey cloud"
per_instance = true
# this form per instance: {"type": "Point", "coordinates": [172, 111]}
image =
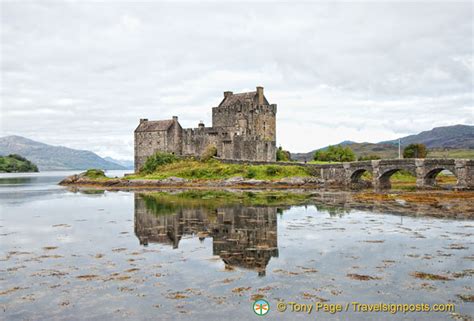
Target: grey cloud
{"type": "Point", "coordinates": [374, 71]}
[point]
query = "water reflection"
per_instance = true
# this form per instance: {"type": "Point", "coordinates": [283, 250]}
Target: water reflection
{"type": "Point", "coordinates": [243, 236]}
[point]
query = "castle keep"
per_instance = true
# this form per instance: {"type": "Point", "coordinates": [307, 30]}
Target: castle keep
{"type": "Point", "coordinates": [243, 128]}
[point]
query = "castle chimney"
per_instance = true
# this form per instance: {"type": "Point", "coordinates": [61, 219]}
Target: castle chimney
{"type": "Point", "coordinates": [260, 95]}
{"type": "Point", "coordinates": [201, 124]}
{"type": "Point", "coordinates": [175, 118]}
{"type": "Point", "coordinates": [142, 120]}
{"type": "Point", "coordinates": [227, 94]}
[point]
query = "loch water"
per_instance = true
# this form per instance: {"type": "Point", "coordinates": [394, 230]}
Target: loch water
{"type": "Point", "coordinates": [136, 255]}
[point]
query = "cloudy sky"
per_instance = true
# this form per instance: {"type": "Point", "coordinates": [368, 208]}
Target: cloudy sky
{"type": "Point", "coordinates": [81, 74]}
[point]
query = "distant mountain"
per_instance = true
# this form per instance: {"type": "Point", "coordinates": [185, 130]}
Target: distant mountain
{"type": "Point", "coordinates": [48, 157]}
{"type": "Point", "coordinates": [128, 164]}
{"type": "Point", "coordinates": [458, 137]}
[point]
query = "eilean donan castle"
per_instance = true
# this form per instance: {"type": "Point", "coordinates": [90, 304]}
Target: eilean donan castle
{"type": "Point", "coordinates": [243, 128]}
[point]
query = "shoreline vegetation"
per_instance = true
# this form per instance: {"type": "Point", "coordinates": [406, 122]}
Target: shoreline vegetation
{"type": "Point", "coordinates": [14, 163]}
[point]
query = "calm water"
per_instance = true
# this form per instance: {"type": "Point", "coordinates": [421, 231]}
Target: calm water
{"type": "Point", "coordinates": [122, 255]}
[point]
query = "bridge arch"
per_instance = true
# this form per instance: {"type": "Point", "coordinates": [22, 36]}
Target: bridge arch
{"type": "Point", "coordinates": [429, 178]}
{"type": "Point", "coordinates": [356, 179]}
{"type": "Point", "coordinates": [383, 179]}
{"type": "Point", "coordinates": [357, 174]}
{"type": "Point", "coordinates": [353, 173]}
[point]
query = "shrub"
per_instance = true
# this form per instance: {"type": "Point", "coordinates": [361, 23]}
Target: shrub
{"type": "Point", "coordinates": [209, 153]}
{"type": "Point", "coordinates": [251, 172]}
{"type": "Point", "coordinates": [368, 157]}
{"type": "Point", "coordinates": [156, 160]}
{"type": "Point", "coordinates": [282, 155]}
{"type": "Point", "coordinates": [272, 170]}
{"type": "Point", "coordinates": [415, 151]}
{"type": "Point", "coordinates": [95, 173]}
{"type": "Point", "coordinates": [336, 153]}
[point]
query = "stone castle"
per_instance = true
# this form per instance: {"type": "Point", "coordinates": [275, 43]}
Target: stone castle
{"type": "Point", "coordinates": [243, 128]}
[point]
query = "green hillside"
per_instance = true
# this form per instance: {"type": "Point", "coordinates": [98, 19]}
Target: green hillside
{"type": "Point", "coordinates": [16, 164]}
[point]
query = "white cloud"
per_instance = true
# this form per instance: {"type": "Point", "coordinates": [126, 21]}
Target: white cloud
{"type": "Point", "coordinates": [82, 74]}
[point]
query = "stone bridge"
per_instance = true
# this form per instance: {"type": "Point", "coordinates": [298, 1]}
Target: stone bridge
{"type": "Point", "coordinates": [349, 174]}
{"type": "Point", "coordinates": [425, 171]}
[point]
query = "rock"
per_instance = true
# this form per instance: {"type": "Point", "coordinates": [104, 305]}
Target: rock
{"type": "Point", "coordinates": [143, 182]}
{"type": "Point", "coordinates": [292, 181]}
{"type": "Point", "coordinates": [253, 182]}
{"type": "Point", "coordinates": [313, 180]}
{"type": "Point", "coordinates": [69, 180]}
{"type": "Point", "coordinates": [173, 180]}
{"type": "Point", "coordinates": [234, 180]}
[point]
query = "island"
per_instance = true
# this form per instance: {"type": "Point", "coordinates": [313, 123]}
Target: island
{"type": "Point", "coordinates": [14, 163]}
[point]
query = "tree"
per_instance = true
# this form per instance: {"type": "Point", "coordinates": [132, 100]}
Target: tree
{"type": "Point", "coordinates": [368, 157]}
{"type": "Point", "coordinates": [415, 151]}
{"type": "Point", "coordinates": [335, 153]}
{"type": "Point", "coordinates": [282, 155]}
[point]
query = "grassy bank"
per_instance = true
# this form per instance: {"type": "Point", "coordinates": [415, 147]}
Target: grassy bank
{"type": "Point", "coordinates": [213, 170]}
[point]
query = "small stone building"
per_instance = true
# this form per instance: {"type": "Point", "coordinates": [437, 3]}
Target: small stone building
{"type": "Point", "coordinates": [243, 128]}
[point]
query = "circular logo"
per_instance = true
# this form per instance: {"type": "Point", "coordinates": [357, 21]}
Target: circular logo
{"type": "Point", "coordinates": [261, 307]}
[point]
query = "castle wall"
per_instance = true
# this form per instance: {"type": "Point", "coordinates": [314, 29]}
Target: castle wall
{"type": "Point", "coordinates": [147, 143]}
{"type": "Point", "coordinates": [196, 140]}
{"type": "Point", "coordinates": [150, 142]}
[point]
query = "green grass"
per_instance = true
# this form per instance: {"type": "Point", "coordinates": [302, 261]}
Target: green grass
{"type": "Point", "coordinates": [16, 164]}
{"type": "Point", "coordinates": [322, 162]}
{"type": "Point", "coordinates": [95, 174]}
{"type": "Point", "coordinates": [213, 170]}
{"type": "Point", "coordinates": [451, 153]}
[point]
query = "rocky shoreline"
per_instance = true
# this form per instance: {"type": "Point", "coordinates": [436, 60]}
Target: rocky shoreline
{"type": "Point", "coordinates": [177, 182]}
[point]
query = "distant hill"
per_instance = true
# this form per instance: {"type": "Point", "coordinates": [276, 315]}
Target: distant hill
{"type": "Point", "coordinates": [48, 157]}
{"type": "Point", "coordinates": [458, 139]}
{"type": "Point", "coordinates": [455, 137]}
{"type": "Point", "coordinates": [128, 164]}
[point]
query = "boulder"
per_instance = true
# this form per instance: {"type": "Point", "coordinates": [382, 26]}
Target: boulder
{"type": "Point", "coordinates": [234, 180]}
{"type": "Point", "coordinates": [174, 180]}
{"type": "Point", "coordinates": [292, 181]}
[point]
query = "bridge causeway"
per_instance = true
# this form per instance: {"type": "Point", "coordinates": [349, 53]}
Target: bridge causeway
{"type": "Point", "coordinates": [425, 171]}
{"type": "Point", "coordinates": [349, 174]}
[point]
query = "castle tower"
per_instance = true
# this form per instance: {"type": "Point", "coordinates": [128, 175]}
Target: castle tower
{"type": "Point", "coordinates": [250, 121]}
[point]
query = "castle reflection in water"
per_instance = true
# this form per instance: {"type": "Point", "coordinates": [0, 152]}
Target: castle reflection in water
{"type": "Point", "coordinates": [243, 236]}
